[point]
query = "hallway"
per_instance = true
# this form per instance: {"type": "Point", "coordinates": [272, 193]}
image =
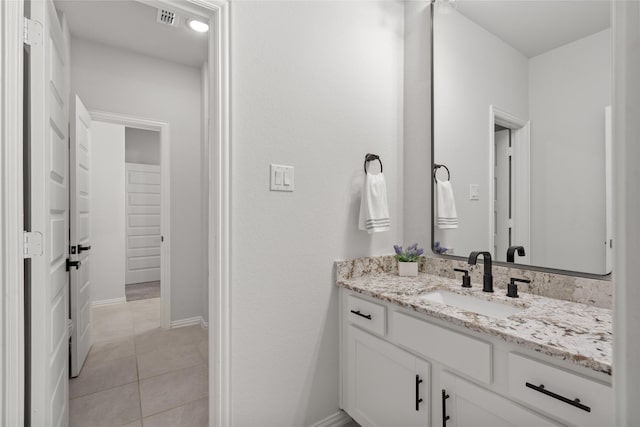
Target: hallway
{"type": "Point", "coordinates": [138, 374]}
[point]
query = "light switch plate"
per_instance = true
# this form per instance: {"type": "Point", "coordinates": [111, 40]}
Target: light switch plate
{"type": "Point", "coordinates": [281, 178]}
{"type": "Point", "coordinates": [474, 192]}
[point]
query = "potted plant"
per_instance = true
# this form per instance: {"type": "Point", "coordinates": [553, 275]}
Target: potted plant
{"type": "Point", "coordinates": [408, 260]}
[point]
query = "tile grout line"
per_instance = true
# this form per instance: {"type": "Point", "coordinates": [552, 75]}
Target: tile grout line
{"type": "Point", "coordinates": [137, 369]}
{"type": "Point", "coordinates": [139, 392]}
{"type": "Point", "coordinates": [179, 406]}
{"type": "Point", "coordinates": [100, 391]}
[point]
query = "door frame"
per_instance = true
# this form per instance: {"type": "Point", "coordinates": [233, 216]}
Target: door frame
{"type": "Point", "coordinates": [11, 211]}
{"type": "Point", "coordinates": [165, 198]}
{"type": "Point", "coordinates": [521, 143]}
{"type": "Point", "coordinates": [11, 214]}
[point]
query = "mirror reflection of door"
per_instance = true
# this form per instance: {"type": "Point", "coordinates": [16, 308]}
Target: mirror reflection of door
{"type": "Point", "coordinates": [502, 203]}
{"type": "Point", "coordinates": [549, 88]}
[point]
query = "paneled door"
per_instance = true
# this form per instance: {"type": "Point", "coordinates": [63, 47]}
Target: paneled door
{"type": "Point", "coordinates": [143, 223]}
{"type": "Point", "coordinates": [503, 228]}
{"type": "Point", "coordinates": [49, 199]}
{"type": "Point", "coordinates": [80, 223]}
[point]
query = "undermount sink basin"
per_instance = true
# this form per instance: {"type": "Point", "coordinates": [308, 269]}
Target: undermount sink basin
{"type": "Point", "coordinates": [475, 305]}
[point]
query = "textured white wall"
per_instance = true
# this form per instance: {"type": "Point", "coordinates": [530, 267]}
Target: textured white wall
{"type": "Point", "coordinates": [108, 247]}
{"type": "Point", "coordinates": [142, 146]}
{"type": "Point", "coordinates": [474, 69]}
{"type": "Point", "coordinates": [569, 88]}
{"type": "Point", "coordinates": [315, 85]}
{"type": "Point", "coordinates": [129, 83]}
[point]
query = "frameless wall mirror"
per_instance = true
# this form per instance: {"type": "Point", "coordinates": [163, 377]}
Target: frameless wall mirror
{"type": "Point", "coordinates": [521, 120]}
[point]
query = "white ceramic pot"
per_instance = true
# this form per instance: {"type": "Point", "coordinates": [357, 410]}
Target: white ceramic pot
{"type": "Point", "coordinates": [408, 269]}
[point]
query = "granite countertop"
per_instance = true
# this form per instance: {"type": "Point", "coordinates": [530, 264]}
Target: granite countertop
{"type": "Point", "coordinates": [566, 330]}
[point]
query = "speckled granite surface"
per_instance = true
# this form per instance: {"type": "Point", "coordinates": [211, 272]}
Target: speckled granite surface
{"type": "Point", "coordinates": [598, 293]}
{"type": "Point", "coordinates": [571, 331]}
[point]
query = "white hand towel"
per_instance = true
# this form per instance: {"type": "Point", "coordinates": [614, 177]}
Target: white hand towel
{"type": "Point", "coordinates": [374, 210]}
{"type": "Point", "coordinates": [446, 215]}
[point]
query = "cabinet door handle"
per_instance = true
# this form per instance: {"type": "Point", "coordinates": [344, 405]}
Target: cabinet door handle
{"type": "Point", "coordinates": [575, 402]}
{"type": "Point", "coordinates": [445, 417]}
{"type": "Point", "coordinates": [366, 316]}
{"type": "Point", "coordinates": [418, 399]}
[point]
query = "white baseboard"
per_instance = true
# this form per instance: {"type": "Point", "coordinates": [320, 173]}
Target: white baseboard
{"type": "Point", "coordinates": [198, 320]}
{"type": "Point", "coordinates": [109, 301]}
{"type": "Point", "coordinates": [203, 324]}
{"type": "Point", "coordinates": [337, 419]}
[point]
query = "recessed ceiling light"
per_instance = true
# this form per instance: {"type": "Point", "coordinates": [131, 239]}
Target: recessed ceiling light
{"type": "Point", "coordinates": [198, 26]}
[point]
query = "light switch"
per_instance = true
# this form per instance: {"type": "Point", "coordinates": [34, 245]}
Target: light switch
{"type": "Point", "coordinates": [281, 178]}
{"type": "Point", "coordinates": [474, 192]}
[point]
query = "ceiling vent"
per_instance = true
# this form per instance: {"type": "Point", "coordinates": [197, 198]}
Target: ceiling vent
{"type": "Point", "coordinates": [167, 17]}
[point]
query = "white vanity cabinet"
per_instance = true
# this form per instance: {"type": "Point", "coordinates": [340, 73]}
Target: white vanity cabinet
{"type": "Point", "coordinates": [403, 368]}
{"type": "Point", "coordinates": [386, 386]}
{"type": "Point", "coordinates": [464, 404]}
{"type": "Point", "coordinates": [569, 397]}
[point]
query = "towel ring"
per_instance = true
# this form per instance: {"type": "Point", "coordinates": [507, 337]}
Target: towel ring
{"type": "Point", "coordinates": [370, 158]}
{"type": "Point", "coordinates": [435, 170]}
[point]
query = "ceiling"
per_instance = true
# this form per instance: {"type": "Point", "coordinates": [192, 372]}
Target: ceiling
{"type": "Point", "coordinates": [131, 25]}
{"type": "Point", "coordinates": [535, 27]}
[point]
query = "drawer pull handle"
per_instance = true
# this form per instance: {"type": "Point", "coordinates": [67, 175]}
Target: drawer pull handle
{"type": "Point", "coordinates": [445, 417]}
{"type": "Point", "coordinates": [575, 402]}
{"type": "Point", "coordinates": [366, 316]}
{"type": "Point", "coordinates": [418, 399]}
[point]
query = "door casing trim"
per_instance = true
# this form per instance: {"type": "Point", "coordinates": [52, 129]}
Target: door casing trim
{"type": "Point", "coordinates": [165, 197]}
{"type": "Point", "coordinates": [11, 214]}
{"type": "Point", "coordinates": [11, 211]}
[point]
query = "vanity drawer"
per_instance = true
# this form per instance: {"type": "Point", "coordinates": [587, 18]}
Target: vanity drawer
{"type": "Point", "coordinates": [561, 388]}
{"type": "Point", "coordinates": [367, 315]}
{"type": "Point", "coordinates": [467, 355]}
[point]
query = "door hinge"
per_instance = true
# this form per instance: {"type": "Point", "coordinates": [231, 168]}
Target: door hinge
{"type": "Point", "coordinates": [32, 32]}
{"type": "Point", "coordinates": [32, 243]}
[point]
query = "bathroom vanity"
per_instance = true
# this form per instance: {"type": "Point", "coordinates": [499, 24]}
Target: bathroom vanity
{"type": "Point", "coordinates": [415, 351]}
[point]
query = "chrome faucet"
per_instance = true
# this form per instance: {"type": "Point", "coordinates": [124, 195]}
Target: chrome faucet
{"type": "Point", "coordinates": [511, 252]}
{"type": "Point", "coordinates": [487, 278]}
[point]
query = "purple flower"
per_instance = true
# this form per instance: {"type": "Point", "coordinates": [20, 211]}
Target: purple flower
{"type": "Point", "coordinates": [410, 255]}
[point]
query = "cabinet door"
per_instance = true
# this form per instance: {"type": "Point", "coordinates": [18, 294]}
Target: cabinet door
{"type": "Point", "coordinates": [468, 405]}
{"type": "Point", "coordinates": [385, 386]}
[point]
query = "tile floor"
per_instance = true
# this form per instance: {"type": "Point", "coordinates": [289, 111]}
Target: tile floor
{"type": "Point", "coordinates": [138, 374]}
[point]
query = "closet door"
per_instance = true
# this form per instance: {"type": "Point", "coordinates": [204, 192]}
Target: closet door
{"type": "Point", "coordinates": [143, 223]}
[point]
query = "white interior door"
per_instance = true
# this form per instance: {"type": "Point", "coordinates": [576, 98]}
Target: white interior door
{"type": "Point", "coordinates": [143, 223]}
{"type": "Point", "coordinates": [502, 194]}
{"type": "Point", "coordinates": [49, 175]}
{"type": "Point", "coordinates": [80, 223]}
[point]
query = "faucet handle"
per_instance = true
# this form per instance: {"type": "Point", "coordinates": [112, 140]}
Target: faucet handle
{"type": "Point", "coordinates": [466, 280]}
{"type": "Point", "coordinates": [512, 287]}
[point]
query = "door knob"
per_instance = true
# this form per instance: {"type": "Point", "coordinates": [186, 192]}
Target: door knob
{"type": "Point", "coordinates": [83, 248]}
{"type": "Point", "coordinates": [70, 264]}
